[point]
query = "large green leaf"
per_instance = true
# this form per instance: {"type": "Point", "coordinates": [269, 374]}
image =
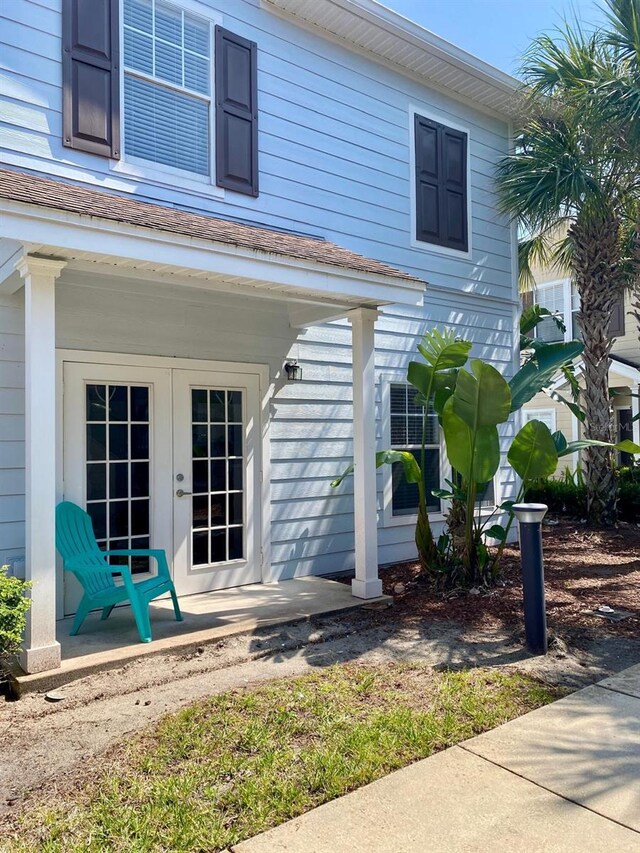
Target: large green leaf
{"type": "Point", "coordinates": [421, 376]}
{"type": "Point", "coordinates": [443, 350]}
{"type": "Point", "coordinates": [533, 452]}
{"type": "Point", "coordinates": [535, 314]}
{"type": "Point", "coordinates": [481, 398]}
{"type": "Point", "coordinates": [475, 455]}
{"type": "Point", "coordinates": [540, 370]}
{"type": "Point", "coordinates": [625, 446]}
{"type": "Point", "coordinates": [388, 457]}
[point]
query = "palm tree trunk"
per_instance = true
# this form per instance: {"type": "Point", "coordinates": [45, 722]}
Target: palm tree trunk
{"type": "Point", "coordinates": [597, 278]}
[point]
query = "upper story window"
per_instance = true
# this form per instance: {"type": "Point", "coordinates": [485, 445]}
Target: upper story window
{"type": "Point", "coordinates": [184, 90]}
{"type": "Point", "coordinates": [441, 193]}
{"type": "Point", "coordinates": [563, 299]}
{"type": "Point", "coordinates": [167, 85]}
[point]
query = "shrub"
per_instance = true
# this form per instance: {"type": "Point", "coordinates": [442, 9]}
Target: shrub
{"type": "Point", "coordinates": [568, 496]}
{"type": "Point", "coordinates": [13, 612]}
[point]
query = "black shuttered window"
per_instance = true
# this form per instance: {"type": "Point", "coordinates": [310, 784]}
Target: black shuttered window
{"type": "Point", "coordinates": [441, 185]}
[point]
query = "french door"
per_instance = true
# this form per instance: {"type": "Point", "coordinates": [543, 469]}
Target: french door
{"type": "Point", "coordinates": [166, 458]}
{"type": "Point", "coordinates": [216, 480]}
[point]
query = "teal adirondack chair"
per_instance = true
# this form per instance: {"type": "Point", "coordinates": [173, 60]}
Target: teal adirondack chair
{"type": "Point", "coordinates": [76, 542]}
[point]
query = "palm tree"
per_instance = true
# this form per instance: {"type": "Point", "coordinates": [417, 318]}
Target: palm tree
{"type": "Point", "coordinates": [574, 172]}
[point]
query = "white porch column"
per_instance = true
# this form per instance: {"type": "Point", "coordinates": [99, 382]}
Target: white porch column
{"type": "Point", "coordinates": [41, 650]}
{"type": "Point", "coordinates": [635, 408]}
{"type": "Point", "coordinates": [366, 583]}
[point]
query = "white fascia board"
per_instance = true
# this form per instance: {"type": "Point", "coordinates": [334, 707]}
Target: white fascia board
{"type": "Point", "coordinates": [407, 34]}
{"type": "Point", "coordinates": [70, 232]}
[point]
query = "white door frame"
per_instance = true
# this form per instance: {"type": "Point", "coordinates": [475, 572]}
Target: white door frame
{"type": "Point", "coordinates": [141, 361]}
{"type": "Point", "coordinates": [188, 578]}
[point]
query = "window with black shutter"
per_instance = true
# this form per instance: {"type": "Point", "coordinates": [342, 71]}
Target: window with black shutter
{"type": "Point", "coordinates": [441, 184]}
{"type": "Point", "coordinates": [170, 93]}
{"type": "Point", "coordinates": [406, 434]}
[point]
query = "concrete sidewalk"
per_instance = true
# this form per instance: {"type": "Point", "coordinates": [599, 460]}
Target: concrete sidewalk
{"type": "Point", "coordinates": [563, 778]}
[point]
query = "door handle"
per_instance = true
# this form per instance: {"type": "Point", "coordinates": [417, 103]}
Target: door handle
{"type": "Point", "coordinates": [181, 493]}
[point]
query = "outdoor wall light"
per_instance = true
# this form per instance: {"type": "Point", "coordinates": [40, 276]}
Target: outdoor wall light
{"type": "Point", "coordinates": [293, 371]}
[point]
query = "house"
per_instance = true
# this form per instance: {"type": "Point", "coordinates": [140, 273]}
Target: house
{"type": "Point", "coordinates": [554, 290]}
{"type": "Point", "coordinates": [197, 197]}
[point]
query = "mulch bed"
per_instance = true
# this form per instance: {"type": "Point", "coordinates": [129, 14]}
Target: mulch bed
{"type": "Point", "coordinates": [584, 569]}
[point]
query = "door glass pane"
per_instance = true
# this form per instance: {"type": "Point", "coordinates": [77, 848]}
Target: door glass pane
{"type": "Point", "coordinates": [117, 487]}
{"type": "Point", "coordinates": [217, 521]}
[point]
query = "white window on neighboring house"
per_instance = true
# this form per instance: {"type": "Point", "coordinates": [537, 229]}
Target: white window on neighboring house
{"type": "Point", "coordinates": [552, 296]}
{"type": "Point", "coordinates": [547, 416]}
{"type": "Point", "coordinates": [167, 86]}
{"type": "Point", "coordinates": [406, 423]}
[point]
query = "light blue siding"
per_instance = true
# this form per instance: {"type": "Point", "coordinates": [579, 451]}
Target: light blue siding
{"type": "Point", "coordinates": [334, 137]}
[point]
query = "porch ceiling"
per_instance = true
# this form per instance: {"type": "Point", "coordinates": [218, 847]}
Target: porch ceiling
{"type": "Point", "coordinates": [90, 230]}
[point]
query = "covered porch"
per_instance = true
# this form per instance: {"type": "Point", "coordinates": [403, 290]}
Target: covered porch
{"type": "Point", "coordinates": [208, 617]}
{"type": "Point", "coordinates": [134, 266]}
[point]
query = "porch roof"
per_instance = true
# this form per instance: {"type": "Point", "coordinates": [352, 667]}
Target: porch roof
{"type": "Point", "coordinates": [59, 195]}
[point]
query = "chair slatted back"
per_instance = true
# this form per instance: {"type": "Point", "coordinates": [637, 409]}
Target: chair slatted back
{"type": "Point", "coordinates": [75, 537]}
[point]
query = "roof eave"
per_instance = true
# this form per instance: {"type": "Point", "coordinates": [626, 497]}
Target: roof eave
{"type": "Point", "coordinates": [495, 91]}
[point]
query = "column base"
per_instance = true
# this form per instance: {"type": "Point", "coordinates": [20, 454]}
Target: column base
{"type": "Point", "coordinates": [366, 589]}
{"type": "Point", "coordinates": [41, 658]}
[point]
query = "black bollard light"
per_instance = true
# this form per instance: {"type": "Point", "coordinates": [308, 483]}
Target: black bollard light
{"type": "Point", "coordinates": [535, 616]}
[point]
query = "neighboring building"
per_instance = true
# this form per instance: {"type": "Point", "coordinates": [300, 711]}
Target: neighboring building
{"type": "Point", "coordinates": [192, 195]}
{"type": "Point", "coordinates": [554, 290]}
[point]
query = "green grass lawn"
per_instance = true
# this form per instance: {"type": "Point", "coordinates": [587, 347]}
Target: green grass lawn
{"type": "Point", "coordinates": [232, 766]}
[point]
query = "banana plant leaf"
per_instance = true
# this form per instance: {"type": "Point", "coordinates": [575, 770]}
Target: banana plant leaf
{"type": "Point", "coordinates": [482, 397]}
{"type": "Point", "coordinates": [533, 452]}
{"type": "Point", "coordinates": [535, 314]}
{"type": "Point", "coordinates": [539, 371]}
{"type": "Point", "coordinates": [626, 446]}
{"type": "Point", "coordinates": [409, 463]}
{"type": "Point", "coordinates": [443, 350]}
{"type": "Point", "coordinates": [475, 454]}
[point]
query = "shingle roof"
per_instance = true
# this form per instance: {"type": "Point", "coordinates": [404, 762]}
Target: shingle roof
{"type": "Point", "coordinates": [31, 189]}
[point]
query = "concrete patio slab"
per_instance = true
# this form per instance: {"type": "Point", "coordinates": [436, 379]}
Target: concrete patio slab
{"type": "Point", "coordinates": [625, 682]}
{"type": "Point", "coordinates": [207, 617]}
{"type": "Point", "coordinates": [585, 748]}
{"type": "Point", "coordinates": [453, 802]}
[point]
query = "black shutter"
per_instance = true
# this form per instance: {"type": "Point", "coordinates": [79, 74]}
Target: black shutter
{"type": "Point", "coordinates": [236, 113]}
{"type": "Point", "coordinates": [441, 184]}
{"type": "Point", "coordinates": [91, 76]}
{"type": "Point", "coordinates": [616, 327]}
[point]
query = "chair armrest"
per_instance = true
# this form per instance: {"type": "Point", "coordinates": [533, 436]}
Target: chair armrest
{"type": "Point", "coordinates": [157, 553]}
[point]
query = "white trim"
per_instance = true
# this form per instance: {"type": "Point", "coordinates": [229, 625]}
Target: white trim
{"type": "Point", "coordinates": [421, 245]}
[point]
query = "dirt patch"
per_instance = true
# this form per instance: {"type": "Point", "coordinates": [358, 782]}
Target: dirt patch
{"type": "Point", "coordinates": [584, 570]}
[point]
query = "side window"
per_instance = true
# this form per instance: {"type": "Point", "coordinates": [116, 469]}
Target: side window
{"type": "Point", "coordinates": [547, 416]}
{"type": "Point", "coordinates": [406, 434]}
{"type": "Point", "coordinates": [553, 298]}
{"type": "Point", "coordinates": [441, 184]}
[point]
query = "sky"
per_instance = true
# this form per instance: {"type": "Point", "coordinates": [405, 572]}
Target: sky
{"type": "Point", "coordinates": [497, 31]}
